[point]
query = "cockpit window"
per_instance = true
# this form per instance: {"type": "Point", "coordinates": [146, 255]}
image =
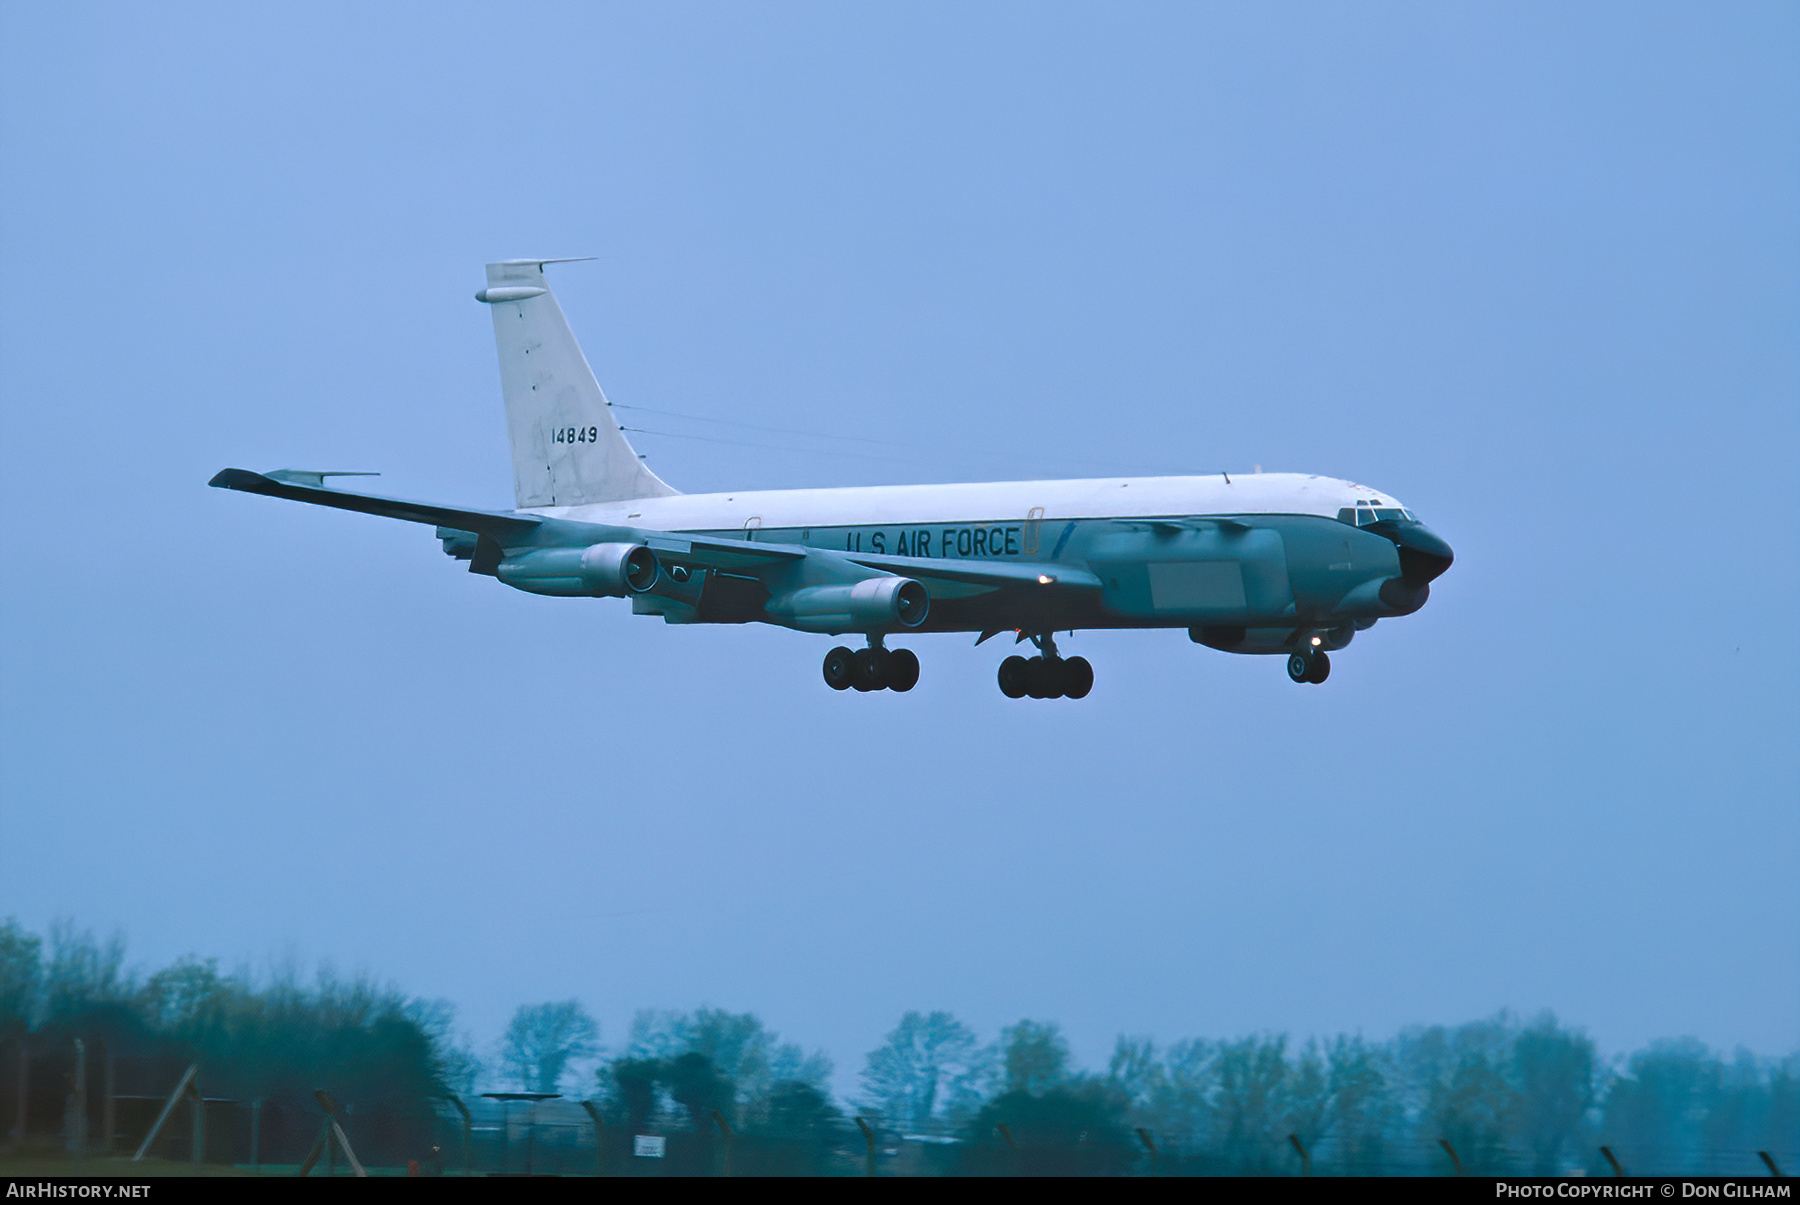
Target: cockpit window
{"type": "Point", "coordinates": [1364, 514]}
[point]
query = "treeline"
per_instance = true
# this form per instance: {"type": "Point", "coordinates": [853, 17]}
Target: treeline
{"type": "Point", "coordinates": [267, 1046]}
{"type": "Point", "coordinates": [1504, 1095]}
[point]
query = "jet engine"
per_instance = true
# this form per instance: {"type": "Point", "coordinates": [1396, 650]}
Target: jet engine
{"type": "Point", "coordinates": [876, 604]}
{"type": "Point", "coordinates": [598, 571]}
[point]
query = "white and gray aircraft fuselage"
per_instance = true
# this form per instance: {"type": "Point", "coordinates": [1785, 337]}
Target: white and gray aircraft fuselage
{"type": "Point", "coordinates": [1273, 563]}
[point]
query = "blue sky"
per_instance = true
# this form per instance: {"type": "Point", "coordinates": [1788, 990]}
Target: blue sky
{"type": "Point", "coordinates": [1532, 268]}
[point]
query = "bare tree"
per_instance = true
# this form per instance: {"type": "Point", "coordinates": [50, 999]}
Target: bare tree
{"type": "Point", "coordinates": [542, 1040]}
{"type": "Point", "coordinates": [1035, 1055]}
{"type": "Point", "coordinates": [21, 975]}
{"type": "Point", "coordinates": [738, 1046]}
{"type": "Point", "coordinates": [930, 1067]}
{"type": "Point", "coordinates": [457, 1063]}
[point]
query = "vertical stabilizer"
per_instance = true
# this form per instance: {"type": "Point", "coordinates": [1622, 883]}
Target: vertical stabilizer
{"type": "Point", "coordinates": [567, 450]}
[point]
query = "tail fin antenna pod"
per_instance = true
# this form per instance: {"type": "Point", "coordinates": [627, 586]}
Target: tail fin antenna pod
{"type": "Point", "coordinates": [567, 449]}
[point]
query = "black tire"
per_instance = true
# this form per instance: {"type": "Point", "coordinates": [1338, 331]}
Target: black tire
{"type": "Point", "coordinates": [1046, 678]}
{"type": "Point", "coordinates": [871, 669]}
{"type": "Point", "coordinates": [1299, 665]}
{"type": "Point", "coordinates": [1319, 670]}
{"type": "Point", "coordinates": [1014, 673]}
{"type": "Point", "coordinates": [1078, 677]}
{"type": "Point", "coordinates": [840, 668]}
{"type": "Point", "coordinates": [902, 670]}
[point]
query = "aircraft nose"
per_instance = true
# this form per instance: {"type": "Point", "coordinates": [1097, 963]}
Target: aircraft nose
{"type": "Point", "coordinates": [1424, 554]}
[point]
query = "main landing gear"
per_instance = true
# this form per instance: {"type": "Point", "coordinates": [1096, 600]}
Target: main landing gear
{"type": "Point", "coordinates": [1048, 676]}
{"type": "Point", "coordinates": [873, 668]}
{"type": "Point", "coordinates": [1312, 667]}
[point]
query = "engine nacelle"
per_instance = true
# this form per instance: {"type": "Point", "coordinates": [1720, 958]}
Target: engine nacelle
{"type": "Point", "coordinates": [457, 543]}
{"type": "Point", "coordinates": [876, 604]}
{"type": "Point", "coordinates": [598, 571]}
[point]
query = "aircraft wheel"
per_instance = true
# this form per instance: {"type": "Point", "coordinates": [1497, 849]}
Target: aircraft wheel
{"type": "Point", "coordinates": [1014, 673]}
{"type": "Point", "coordinates": [1078, 677]}
{"type": "Point", "coordinates": [902, 670]}
{"type": "Point", "coordinates": [840, 668]}
{"type": "Point", "coordinates": [1046, 678]}
{"type": "Point", "coordinates": [871, 669]}
{"type": "Point", "coordinates": [1299, 666]}
{"type": "Point", "coordinates": [1319, 670]}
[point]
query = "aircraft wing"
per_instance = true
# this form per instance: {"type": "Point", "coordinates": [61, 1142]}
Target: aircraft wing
{"type": "Point", "coordinates": [504, 527]}
{"type": "Point", "coordinates": [707, 552]}
{"type": "Point", "coordinates": [948, 577]}
{"type": "Point", "coordinates": [945, 578]}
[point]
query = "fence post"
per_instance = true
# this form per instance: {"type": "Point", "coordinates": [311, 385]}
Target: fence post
{"type": "Point", "coordinates": [78, 1131]}
{"type": "Point", "coordinates": [599, 1137]}
{"type": "Point", "coordinates": [468, 1135]}
{"type": "Point", "coordinates": [197, 1110]}
{"type": "Point", "coordinates": [869, 1142]}
{"type": "Point", "coordinates": [725, 1129]}
{"type": "Point", "coordinates": [109, 1112]}
{"type": "Point", "coordinates": [1451, 1151]}
{"type": "Point", "coordinates": [1618, 1172]}
{"type": "Point", "coordinates": [1305, 1158]}
{"type": "Point", "coordinates": [330, 1105]}
{"type": "Point", "coordinates": [1012, 1145]}
{"type": "Point", "coordinates": [18, 1130]}
{"type": "Point", "coordinates": [181, 1085]}
{"type": "Point", "coordinates": [318, 1148]}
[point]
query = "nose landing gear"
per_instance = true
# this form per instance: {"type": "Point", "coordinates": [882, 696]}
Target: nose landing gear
{"type": "Point", "coordinates": [873, 668]}
{"type": "Point", "coordinates": [1048, 676]}
{"type": "Point", "coordinates": [1313, 667]}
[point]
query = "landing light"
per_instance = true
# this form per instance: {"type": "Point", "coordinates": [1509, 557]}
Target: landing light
{"type": "Point", "coordinates": [1044, 579]}
{"type": "Point", "coordinates": [1317, 642]}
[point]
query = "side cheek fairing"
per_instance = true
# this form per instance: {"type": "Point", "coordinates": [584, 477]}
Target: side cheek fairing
{"type": "Point", "coordinates": [1337, 569]}
{"type": "Point", "coordinates": [1201, 575]}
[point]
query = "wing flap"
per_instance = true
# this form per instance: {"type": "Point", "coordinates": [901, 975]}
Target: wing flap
{"type": "Point", "coordinates": [710, 553]}
{"type": "Point", "coordinates": [952, 578]}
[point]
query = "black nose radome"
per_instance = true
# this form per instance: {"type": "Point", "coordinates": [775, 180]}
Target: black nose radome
{"type": "Point", "coordinates": [1424, 554]}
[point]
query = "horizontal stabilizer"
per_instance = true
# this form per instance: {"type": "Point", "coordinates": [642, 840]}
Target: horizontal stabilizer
{"type": "Point", "coordinates": [312, 476]}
